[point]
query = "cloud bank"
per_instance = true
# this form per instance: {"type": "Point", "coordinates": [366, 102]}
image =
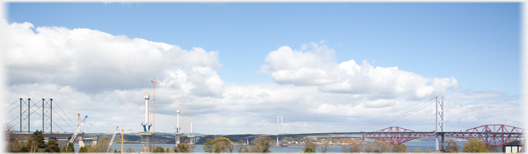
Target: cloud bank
{"type": "Point", "coordinates": [318, 67]}
{"type": "Point", "coordinates": [104, 76]}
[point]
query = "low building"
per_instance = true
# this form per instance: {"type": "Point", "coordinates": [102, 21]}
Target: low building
{"type": "Point", "coordinates": [513, 147]}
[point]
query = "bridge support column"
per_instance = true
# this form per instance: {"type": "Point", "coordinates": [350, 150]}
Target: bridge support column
{"type": "Point", "coordinates": [177, 137]}
{"type": "Point", "coordinates": [145, 139]}
{"type": "Point", "coordinates": [280, 125]}
{"type": "Point", "coordinates": [439, 132]}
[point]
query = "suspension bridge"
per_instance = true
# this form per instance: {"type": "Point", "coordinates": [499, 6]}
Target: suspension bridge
{"type": "Point", "coordinates": [45, 109]}
{"type": "Point", "coordinates": [491, 134]}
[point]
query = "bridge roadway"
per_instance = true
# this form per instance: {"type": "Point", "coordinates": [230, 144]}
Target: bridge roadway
{"type": "Point", "coordinates": [59, 135]}
{"type": "Point", "coordinates": [489, 134]}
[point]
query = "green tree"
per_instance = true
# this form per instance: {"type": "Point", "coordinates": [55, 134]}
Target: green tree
{"type": "Point", "coordinates": [208, 145]}
{"type": "Point", "coordinates": [68, 148]}
{"type": "Point", "coordinates": [309, 146]}
{"type": "Point", "coordinates": [308, 149]}
{"type": "Point", "coordinates": [25, 149]}
{"type": "Point", "coordinates": [167, 150]}
{"type": "Point", "coordinates": [36, 142]}
{"type": "Point", "coordinates": [52, 146]}
{"type": "Point", "coordinates": [474, 145]}
{"type": "Point", "coordinates": [451, 146]}
{"type": "Point", "coordinates": [158, 149]}
{"type": "Point", "coordinates": [428, 151]}
{"type": "Point", "coordinates": [399, 148]}
{"type": "Point", "coordinates": [260, 144]}
{"type": "Point", "coordinates": [241, 148]}
{"type": "Point", "coordinates": [183, 148]}
{"type": "Point", "coordinates": [417, 150]}
{"type": "Point", "coordinates": [83, 149]}
{"type": "Point", "coordinates": [14, 144]}
{"type": "Point", "coordinates": [218, 145]}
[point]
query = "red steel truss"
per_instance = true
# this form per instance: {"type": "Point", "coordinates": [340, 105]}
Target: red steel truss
{"type": "Point", "coordinates": [396, 135]}
{"type": "Point", "coordinates": [495, 134]}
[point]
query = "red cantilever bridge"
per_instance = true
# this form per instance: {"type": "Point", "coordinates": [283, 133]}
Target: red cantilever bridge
{"type": "Point", "coordinates": [495, 134]}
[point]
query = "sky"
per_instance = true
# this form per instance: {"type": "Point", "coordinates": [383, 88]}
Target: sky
{"type": "Point", "coordinates": [324, 67]}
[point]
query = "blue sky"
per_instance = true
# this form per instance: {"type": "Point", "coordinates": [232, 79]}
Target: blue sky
{"type": "Point", "coordinates": [476, 44]}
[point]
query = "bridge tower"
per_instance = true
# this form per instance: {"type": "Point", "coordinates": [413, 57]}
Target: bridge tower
{"type": "Point", "coordinates": [146, 134]}
{"type": "Point", "coordinates": [178, 133]}
{"type": "Point", "coordinates": [439, 132]}
{"type": "Point", "coordinates": [280, 125]}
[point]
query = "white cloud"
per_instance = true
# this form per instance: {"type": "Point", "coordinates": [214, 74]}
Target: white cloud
{"type": "Point", "coordinates": [319, 68]}
{"type": "Point", "coordinates": [92, 61]}
{"type": "Point", "coordinates": [104, 76]}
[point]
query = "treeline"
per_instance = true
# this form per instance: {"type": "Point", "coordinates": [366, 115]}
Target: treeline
{"type": "Point", "coordinates": [261, 144]}
{"type": "Point", "coordinates": [35, 143]}
{"type": "Point", "coordinates": [449, 146]}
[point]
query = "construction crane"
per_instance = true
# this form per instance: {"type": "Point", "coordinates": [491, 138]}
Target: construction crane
{"type": "Point", "coordinates": [112, 140]}
{"type": "Point", "coordinates": [154, 82]}
{"type": "Point", "coordinates": [122, 133]}
{"type": "Point", "coordinates": [78, 130]}
{"type": "Point", "coordinates": [182, 104]}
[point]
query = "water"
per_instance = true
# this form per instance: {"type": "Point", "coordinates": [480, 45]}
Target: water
{"type": "Point", "coordinates": [411, 146]}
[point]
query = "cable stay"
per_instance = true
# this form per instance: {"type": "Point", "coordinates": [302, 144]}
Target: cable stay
{"type": "Point", "coordinates": [65, 114]}
{"type": "Point", "coordinates": [403, 115]}
{"type": "Point", "coordinates": [465, 107]}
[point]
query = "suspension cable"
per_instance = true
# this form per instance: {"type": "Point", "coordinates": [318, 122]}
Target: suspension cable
{"type": "Point", "coordinates": [485, 114]}
{"type": "Point", "coordinates": [12, 103]}
{"type": "Point", "coordinates": [14, 125]}
{"type": "Point", "coordinates": [265, 128]}
{"type": "Point", "coordinates": [65, 121]}
{"type": "Point", "coordinates": [58, 126]}
{"type": "Point", "coordinates": [15, 107]}
{"type": "Point", "coordinates": [65, 114]}
{"type": "Point", "coordinates": [407, 113]}
{"type": "Point", "coordinates": [14, 118]}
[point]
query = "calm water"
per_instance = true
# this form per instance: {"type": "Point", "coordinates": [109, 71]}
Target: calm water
{"type": "Point", "coordinates": [411, 146]}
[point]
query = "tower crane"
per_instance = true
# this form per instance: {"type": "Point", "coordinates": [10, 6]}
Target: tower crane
{"type": "Point", "coordinates": [112, 140]}
{"type": "Point", "coordinates": [78, 130]}
{"type": "Point", "coordinates": [122, 133]}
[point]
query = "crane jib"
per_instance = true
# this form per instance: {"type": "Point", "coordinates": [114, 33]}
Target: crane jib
{"type": "Point", "coordinates": [77, 131]}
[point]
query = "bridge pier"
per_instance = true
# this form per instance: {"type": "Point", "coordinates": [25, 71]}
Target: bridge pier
{"type": "Point", "coordinates": [439, 124]}
{"type": "Point", "coordinates": [279, 140]}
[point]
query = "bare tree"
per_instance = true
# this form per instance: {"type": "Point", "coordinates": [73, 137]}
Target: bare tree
{"type": "Point", "coordinates": [355, 146]}
{"type": "Point", "coordinates": [345, 148]}
{"type": "Point", "coordinates": [369, 148]}
{"type": "Point", "coordinates": [261, 144]}
{"type": "Point", "coordinates": [129, 150]}
{"type": "Point", "coordinates": [383, 146]}
{"type": "Point", "coordinates": [326, 145]}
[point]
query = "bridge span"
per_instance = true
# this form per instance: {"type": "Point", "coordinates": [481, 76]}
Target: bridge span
{"type": "Point", "coordinates": [495, 134]}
